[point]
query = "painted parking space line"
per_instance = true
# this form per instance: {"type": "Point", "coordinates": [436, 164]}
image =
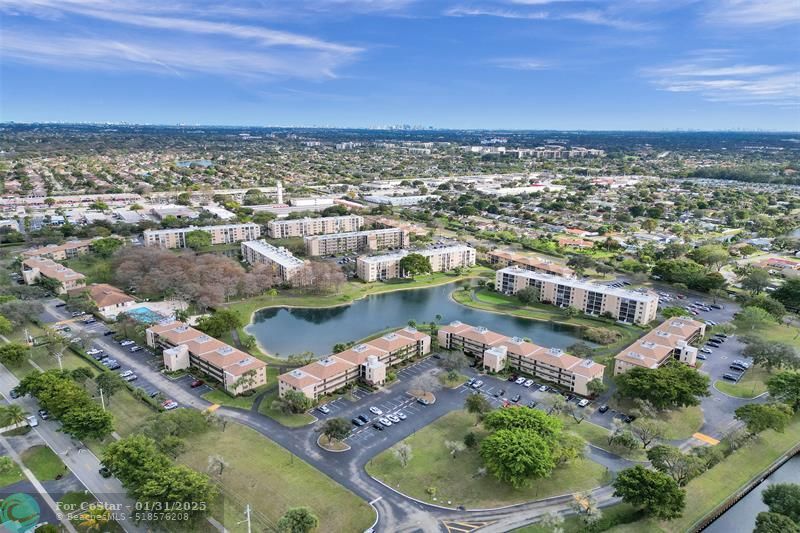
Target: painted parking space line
{"type": "Point", "coordinates": [705, 438]}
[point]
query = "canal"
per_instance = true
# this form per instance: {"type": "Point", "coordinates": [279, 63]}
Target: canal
{"type": "Point", "coordinates": [285, 331]}
{"type": "Point", "coordinates": [742, 516]}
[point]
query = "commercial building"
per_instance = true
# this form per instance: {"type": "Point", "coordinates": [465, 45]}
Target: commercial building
{"type": "Point", "coordinates": [60, 252]}
{"type": "Point", "coordinates": [281, 260]}
{"type": "Point", "coordinates": [632, 307]}
{"type": "Point", "coordinates": [34, 268]}
{"type": "Point", "coordinates": [399, 200]}
{"type": "Point", "coordinates": [185, 347]}
{"type": "Point", "coordinates": [504, 259]}
{"type": "Point", "coordinates": [367, 362]}
{"type": "Point", "coordinates": [303, 227]}
{"type": "Point", "coordinates": [110, 301]}
{"type": "Point", "coordinates": [497, 352]}
{"type": "Point", "coordinates": [357, 241]}
{"type": "Point", "coordinates": [669, 341]}
{"type": "Point", "coordinates": [222, 234]}
{"type": "Point", "coordinates": [387, 266]}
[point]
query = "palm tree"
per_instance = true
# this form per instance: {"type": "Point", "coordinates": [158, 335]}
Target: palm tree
{"type": "Point", "coordinates": [13, 415]}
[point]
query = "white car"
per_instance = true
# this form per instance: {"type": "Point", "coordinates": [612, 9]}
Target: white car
{"type": "Point", "coordinates": [583, 403]}
{"type": "Point", "coordinates": [32, 421]}
{"type": "Point", "coordinates": [543, 388]}
{"type": "Point", "coordinates": [528, 383]}
{"type": "Point", "coordinates": [375, 411]}
{"type": "Point", "coordinates": [324, 409]}
{"type": "Point", "coordinates": [126, 343]}
{"type": "Point", "coordinates": [520, 381]}
{"type": "Point", "coordinates": [93, 351]}
{"type": "Point", "coordinates": [126, 373]}
{"type": "Point", "coordinates": [385, 422]}
{"type": "Point", "coordinates": [477, 385]}
{"type": "Point", "coordinates": [706, 351]}
{"type": "Point", "coordinates": [393, 418]}
{"type": "Point", "coordinates": [401, 415]}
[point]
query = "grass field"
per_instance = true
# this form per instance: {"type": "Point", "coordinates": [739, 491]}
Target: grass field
{"type": "Point", "coordinates": [598, 436]}
{"type": "Point", "coordinates": [621, 513]}
{"type": "Point", "coordinates": [13, 475]}
{"type": "Point", "coordinates": [43, 462]}
{"type": "Point", "coordinates": [270, 479]}
{"type": "Point", "coordinates": [455, 479]}
{"type": "Point", "coordinates": [222, 398]}
{"type": "Point", "coordinates": [95, 268]}
{"type": "Point", "coordinates": [682, 423]}
{"type": "Point", "coordinates": [751, 385]}
{"type": "Point", "coordinates": [291, 421]}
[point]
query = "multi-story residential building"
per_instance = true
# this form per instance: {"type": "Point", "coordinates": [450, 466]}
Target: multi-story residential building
{"type": "Point", "coordinates": [60, 252]}
{"type": "Point", "coordinates": [366, 362]}
{"type": "Point", "coordinates": [110, 301]}
{"type": "Point", "coordinates": [497, 352]}
{"type": "Point", "coordinates": [387, 266]}
{"type": "Point", "coordinates": [35, 267]}
{"type": "Point", "coordinates": [185, 347]}
{"type": "Point", "coordinates": [504, 259]}
{"type": "Point", "coordinates": [222, 234]}
{"type": "Point", "coordinates": [281, 260]}
{"type": "Point", "coordinates": [670, 341]}
{"type": "Point", "coordinates": [357, 241]}
{"type": "Point", "coordinates": [632, 307]}
{"type": "Point", "coordinates": [303, 227]}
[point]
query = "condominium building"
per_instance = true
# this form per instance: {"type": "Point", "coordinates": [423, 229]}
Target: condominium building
{"type": "Point", "coordinates": [304, 227]}
{"type": "Point", "coordinates": [185, 347]}
{"type": "Point", "coordinates": [387, 266]}
{"type": "Point", "coordinates": [632, 307]}
{"type": "Point", "coordinates": [357, 241]}
{"type": "Point", "coordinates": [497, 352]}
{"type": "Point", "coordinates": [34, 268]}
{"type": "Point", "coordinates": [670, 341]}
{"type": "Point", "coordinates": [222, 234]}
{"type": "Point", "coordinates": [366, 362]}
{"type": "Point", "coordinates": [109, 300]}
{"type": "Point", "coordinates": [504, 259]}
{"type": "Point", "coordinates": [60, 252]}
{"type": "Point", "coordinates": [281, 260]}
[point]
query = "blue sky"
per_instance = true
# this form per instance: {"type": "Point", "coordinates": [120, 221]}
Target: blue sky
{"type": "Point", "coordinates": [522, 64]}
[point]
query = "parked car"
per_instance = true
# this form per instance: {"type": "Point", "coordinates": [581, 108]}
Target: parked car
{"type": "Point", "coordinates": [721, 335]}
{"type": "Point", "coordinates": [357, 422]}
{"type": "Point", "coordinates": [603, 408]}
{"type": "Point", "coordinates": [94, 351]}
{"type": "Point", "coordinates": [169, 405]}
{"type": "Point", "coordinates": [114, 366]}
{"type": "Point", "coordinates": [543, 388]}
{"type": "Point", "coordinates": [737, 368]}
{"type": "Point", "coordinates": [377, 426]}
{"type": "Point", "coordinates": [135, 349]}
{"type": "Point", "coordinates": [513, 377]}
{"type": "Point", "coordinates": [394, 418]}
{"type": "Point", "coordinates": [32, 420]}
{"type": "Point", "coordinates": [730, 377]}
{"type": "Point", "coordinates": [107, 333]}
{"type": "Point", "coordinates": [741, 363]}
{"type": "Point", "coordinates": [197, 383]}
{"type": "Point", "coordinates": [77, 314]}
{"type": "Point", "coordinates": [516, 398]}
{"type": "Point", "coordinates": [61, 305]}
{"type": "Point", "coordinates": [132, 377]}
{"type": "Point", "coordinates": [702, 356]}
{"type": "Point", "coordinates": [470, 382]}
{"type": "Point", "coordinates": [104, 472]}
{"type": "Point", "coordinates": [706, 350]}
{"type": "Point", "coordinates": [520, 381]}
{"type": "Point", "coordinates": [14, 393]}
{"type": "Point", "coordinates": [90, 320]}
{"type": "Point", "coordinates": [126, 342]}
{"type": "Point", "coordinates": [375, 411]}
{"type": "Point", "coordinates": [384, 422]}
{"type": "Point", "coordinates": [528, 383]}
{"type": "Point", "coordinates": [401, 415]}
{"type": "Point", "coordinates": [532, 404]}
{"type": "Point", "coordinates": [477, 385]}
{"type": "Point", "coordinates": [583, 403]}
{"type": "Point", "coordinates": [44, 414]}
{"type": "Point", "coordinates": [126, 373]}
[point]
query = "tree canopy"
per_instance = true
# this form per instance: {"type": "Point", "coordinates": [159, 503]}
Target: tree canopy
{"type": "Point", "coordinates": [784, 499]}
{"type": "Point", "coordinates": [785, 387]}
{"type": "Point", "coordinates": [759, 417]}
{"type": "Point", "coordinates": [415, 264]}
{"type": "Point", "coordinates": [655, 492]}
{"type": "Point", "coordinates": [516, 456]}
{"type": "Point", "coordinates": [670, 386]}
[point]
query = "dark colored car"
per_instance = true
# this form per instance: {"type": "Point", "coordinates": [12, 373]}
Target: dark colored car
{"type": "Point", "coordinates": [721, 335]}
{"type": "Point", "coordinates": [516, 398]}
{"type": "Point", "coordinates": [43, 414]}
{"type": "Point", "coordinates": [435, 356]}
{"type": "Point", "coordinates": [107, 333]}
{"type": "Point", "coordinates": [363, 418]}
{"type": "Point", "coordinates": [14, 393]}
{"type": "Point", "coordinates": [532, 404]}
{"type": "Point", "coordinates": [499, 393]}
{"type": "Point", "coordinates": [61, 305]}
{"type": "Point", "coordinates": [197, 383]}
{"type": "Point", "coordinates": [512, 377]}
{"type": "Point", "coordinates": [357, 422]}
{"type": "Point", "coordinates": [377, 426]}
{"type": "Point", "coordinates": [115, 366]}
{"type": "Point", "coordinates": [603, 408]}
{"type": "Point", "coordinates": [104, 471]}
{"type": "Point", "coordinates": [737, 368]}
{"type": "Point", "coordinates": [730, 377]}
{"type": "Point", "coordinates": [628, 419]}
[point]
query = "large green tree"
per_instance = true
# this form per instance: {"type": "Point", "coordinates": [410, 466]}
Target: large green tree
{"type": "Point", "coordinates": [682, 467]}
{"type": "Point", "coordinates": [477, 404]}
{"type": "Point", "coordinates": [783, 498]}
{"type": "Point", "coordinates": [335, 428]}
{"type": "Point", "coordinates": [298, 520]}
{"type": "Point", "coordinates": [655, 492]}
{"type": "Point", "coordinates": [134, 459]}
{"type": "Point", "coordinates": [789, 294]}
{"type": "Point", "coordinates": [756, 280]}
{"type": "Point", "coordinates": [198, 239]}
{"type": "Point", "coordinates": [670, 386]}
{"type": "Point", "coordinates": [178, 484]}
{"type": "Point", "coordinates": [752, 318]}
{"type": "Point", "coordinates": [517, 456]}
{"type": "Point", "coordinates": [771, 355]}
{"type": "Point", "coordinates": [106, 246]}
{"type": "Point", "coordinates": [415, 264]}
{"type": "Point", "coordinates": [785, 387]}
{"type": "Point", "coordinates": [220, 323]}
{"type": "Point", "coordinates": [549, 427]}
{"type": "Point", "coordinates": [89, 421]}
{"type": "Point", "coordinates": [710, 255]}
{"type": "Point", "coordinates": [767, 522]}
{"type": "Point", "coordinates": [759, 417]}
{"type": "Point", "coordinates": [13, 353]}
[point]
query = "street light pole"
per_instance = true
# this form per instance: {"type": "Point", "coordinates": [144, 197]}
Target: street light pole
{"type": "Point", "coordinates": [102, 400]}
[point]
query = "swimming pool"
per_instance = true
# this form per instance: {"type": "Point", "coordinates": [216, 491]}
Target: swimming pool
{"type": "Point", "coordinates": [145, 315]}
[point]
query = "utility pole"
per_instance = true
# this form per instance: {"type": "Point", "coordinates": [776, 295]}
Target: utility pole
{"type": "Point", "coordinates": [247, 513]}
{"type": "Point", "coordinates": [102, 400]}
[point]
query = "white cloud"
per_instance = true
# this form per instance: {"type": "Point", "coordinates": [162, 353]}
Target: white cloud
{"type": "Point", "coordinates": [581, 11]}
{"type": "Point", "coordinates": [761, 13]}
{"type": "Point", "coordinates": [520, 63]}
{"type": "Point", "coordinates": [738, 83]}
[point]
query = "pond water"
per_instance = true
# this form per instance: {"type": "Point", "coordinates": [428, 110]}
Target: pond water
{"type": "Point", "coordinates": [285, 331]}
{"type": "Point", "coordinates": [742, 516]}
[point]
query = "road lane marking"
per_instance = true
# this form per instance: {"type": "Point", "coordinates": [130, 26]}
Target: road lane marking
{"type": "Point", "coordinates": [705, 438]}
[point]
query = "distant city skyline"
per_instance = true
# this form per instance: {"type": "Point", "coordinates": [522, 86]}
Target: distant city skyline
{"type": "Point", "coordinates": [559, 65]}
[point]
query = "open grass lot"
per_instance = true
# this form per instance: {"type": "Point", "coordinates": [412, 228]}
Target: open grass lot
{"type": "Point", "coordinates": [222, 398]}
{"type": "Point", "coordinates": [682, 423]}
{"type": "Point", "coordinates": [487, 300]}
{"type": "Point", "coordinates": [291, 420]}
{"type": "Point", "coordinates": [43, 462]}
{"type": "Point", "coordinates": [751, 385]}
{"type": "Point", "coordinates": [598, 436]}
{"type": "Point", "coordinates": [710, 489]}
{"type": "Point", "coordinates": [271, 480]}
{"type": "Point", "coordinates": [96, 269]}
{"type": "Point", "coordinates": [13, 475]}
{"type": "Point", "coordinates": [779, 333]}
{"type": "Point", "coordinates": [621, 513]}
{"type": "Point", "coordinates": [454, 478]}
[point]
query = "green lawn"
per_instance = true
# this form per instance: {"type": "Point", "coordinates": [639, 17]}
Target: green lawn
{"type": "Point", "coordinates": [620, 513]}
{"type": "Point", "coordinates": [710, 489]}
{"type": "Point", "coordinates": [751, 385]}
{"type": "Point", "coordinates": [455, 479]}
{"type": "Point", "coordinates": [72, 505]}
{"type": "Point", "coordinates": [223, 398]}
{"type": "Point", "coordinates": [271, 480]}
{"type": "Point", "coordinates": [452, 383]}
{"type": "Point", "coordinates": [682, 423]}
{"type": "Point", "coordinates": [598, 436]}
{"type": "Point", "coordinates": [291, 421]}
{"type": "Point", "coordinates": [43, 462]}
{"type": "Point", "coordinates": [778, 333]}
{"type": "Point", "coordinates": [96, 269]}
{"type": "Point", "coordinates": [11, 476]}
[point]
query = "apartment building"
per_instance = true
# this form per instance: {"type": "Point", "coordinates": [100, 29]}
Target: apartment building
{"type": "Point", "coordinates": [185, 347]}
{"type": "Point", "coordinates": [365, 362]}
{"type": "Point", "coordinates": [632, 307]}
{"type": "Point", "coordinates": [387, 266]}
{"type": "Point", "coordinates": [304, 227]}
{"type": "Point", "coordinates": [357, 241]}
{"type": "Point", "coordinates": [34, 268]}
{"type": "Point", "coordinates": [110, 301]}
{"type": "Point", "coordinates": [498, 352]}
{"type": "Point", "coordinates": [670, 341]}
{"type": "Point", "coordinates": [222, 234]}
{"type": "Point", "coordinates": [504, 259]}
{"type": "Point", "coordinates": [60, 252]}
{"type": "Point", "coordinates": [281, 260]}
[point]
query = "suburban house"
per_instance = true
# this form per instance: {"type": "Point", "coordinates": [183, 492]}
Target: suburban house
{"type": "Point", "coordinates": [110, 301]}
{"type": "Point", "coordinates": [365, 362]}
{"type": "Point", "coordinates": [506, 259]}
{"type": "Point", "coordinates": [671, 340]}
{"type": "Point", "coordinates": [34, 268]}
{"type": "Point", "coordinates": [387, 266]}
{"type": "Point", "coordinates": [633, 307]}
{"type": "Point", "coordinates": [498, 352]}
{"type": "Point", "coordinates": [187, 348]}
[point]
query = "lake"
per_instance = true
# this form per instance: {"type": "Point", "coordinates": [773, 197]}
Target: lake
{"type": "Point", "coordinates": [285, 331]}
{"type": "Point", "coordinates": [742, 516]}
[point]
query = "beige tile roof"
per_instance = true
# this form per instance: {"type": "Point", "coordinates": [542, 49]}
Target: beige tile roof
{"type": "Point", "coordinates": [299, 379]}
{"type": "Point", "coordinates": [328, 367]}
{"type": "Point", "coordinates": [359, 353]}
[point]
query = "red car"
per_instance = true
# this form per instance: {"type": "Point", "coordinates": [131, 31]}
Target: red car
{"type": "Point", "coordinates": [197, 383]}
